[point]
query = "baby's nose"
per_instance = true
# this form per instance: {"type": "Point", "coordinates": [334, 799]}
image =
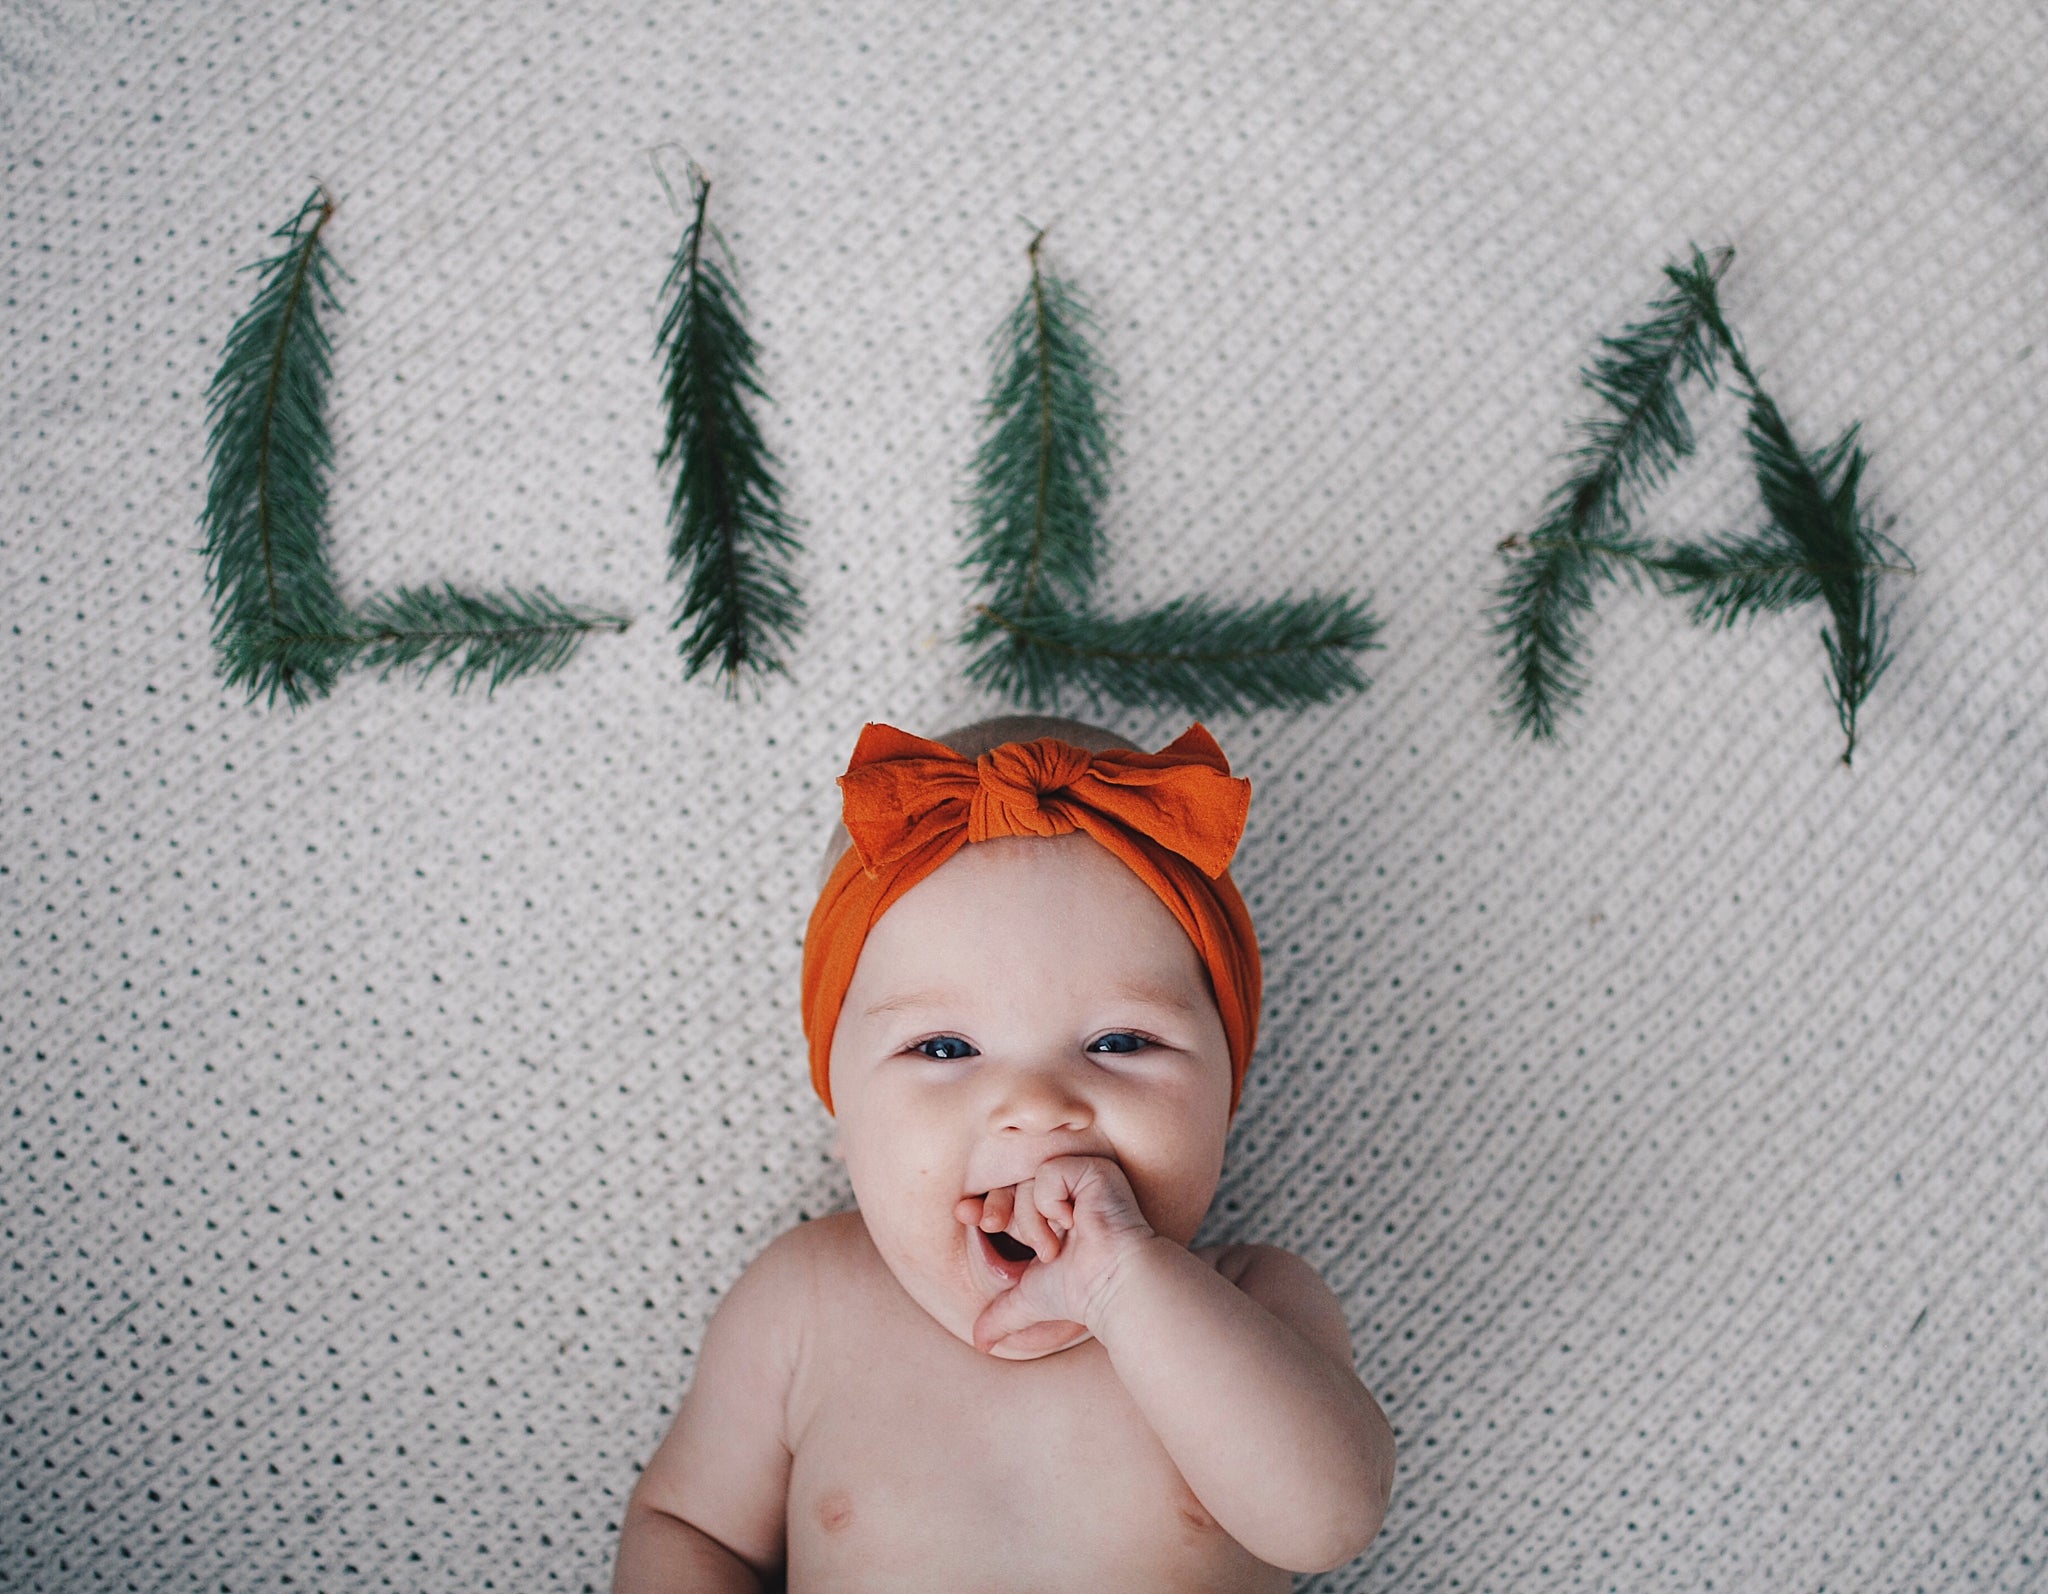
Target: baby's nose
{"type": "Point", "coordinates": [1039, 1101]}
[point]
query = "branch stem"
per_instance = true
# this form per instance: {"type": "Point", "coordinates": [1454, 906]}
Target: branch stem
{"type": "Point", "coordinates": [1022, 630]}
{"type": "Point", "coordinates": [1044, 426]}
{"type": "Point", "coordinates": [1662, 562]}
{"type": "Point", "coordinates": [494, 632]}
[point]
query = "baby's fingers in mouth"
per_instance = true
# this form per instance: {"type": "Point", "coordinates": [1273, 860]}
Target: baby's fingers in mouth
{"type": "Point", "coordinates": [1010, 1248]}
{"type": "Point", "coordinates": [997, 1208]}
{"type": "Point", "coordinates": [1029, 1226]}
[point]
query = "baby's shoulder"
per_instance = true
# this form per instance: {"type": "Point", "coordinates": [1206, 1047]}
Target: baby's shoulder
{"type": "Point", "coordinates": [795, 1259]}
{"type": "Point", "coordinates": [838, 1239]}
{"type": "Point", "coordinates": [814, 1262]}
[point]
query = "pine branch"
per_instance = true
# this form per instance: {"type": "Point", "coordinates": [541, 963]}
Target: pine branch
{"type": "Point", "coordinates": [730, 538]}
{"type": "Point", "coordinates": [1044, 468]}
{"type": "Point", "coordinates": [1815, 520]}
{"type": "Point", "coordinates": [266, 499]}
{"type": "Point", "coordinates": [1735, 577]}
{"type": "Point", "coordinates": [1584, 537]}
{"type": "Point", "coordinates": [505, 635]}
{"type": "Point", "coordinates": [1040, 477]}
{"type": "Point", "coordinates": [1812, 501]}
{"type": "Point", "coordinates": [1541, 602]}
{"type": "Point", "coordinates": [1193, 654]}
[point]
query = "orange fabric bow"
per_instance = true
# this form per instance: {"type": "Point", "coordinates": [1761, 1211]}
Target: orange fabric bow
{"type": "Point", "coordinates": [1172, 817]}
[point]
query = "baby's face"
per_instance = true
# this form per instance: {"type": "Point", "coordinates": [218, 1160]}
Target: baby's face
{"type": "Point", "coordinates": [1029, 999]}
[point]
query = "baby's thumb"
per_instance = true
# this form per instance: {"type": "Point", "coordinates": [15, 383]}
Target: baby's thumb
{"type": "Point", "coordinates": [1008, 1325]}
{"type": "Point", "coordinates": [1001, 1318]}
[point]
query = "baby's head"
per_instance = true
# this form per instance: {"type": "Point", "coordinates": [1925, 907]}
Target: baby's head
{"type": "Point", "coordinates": [1033, 996]}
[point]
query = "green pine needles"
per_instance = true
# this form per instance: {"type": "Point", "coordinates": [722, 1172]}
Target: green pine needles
{"type": "Point", "coordinates": [1041, 476]}
{"type": "Point", "coordinates": [502, 635]}
{"type": "Point", "coordinates": [1043, 471]}
{"type": "Point", "coordinates": [280, 625]}
{"type": "Point", "coordinates": [1585, 536]}
{"type": "Point", "coordinates": [730, 539]}
{"type": "Point", "coordinates": [1817, 542]}
{"type": "Point", "coordinates": [1035, 545]}
{"type": "Point", "coordinates": [1192, 654]}
{"type": "Point", "coordinates": [266, 497]}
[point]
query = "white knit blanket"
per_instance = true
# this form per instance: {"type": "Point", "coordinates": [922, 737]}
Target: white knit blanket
{"type": "Point", "coordinates": [393, 1087]}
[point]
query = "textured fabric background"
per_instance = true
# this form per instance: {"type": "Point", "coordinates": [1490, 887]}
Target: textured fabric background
{"type": "Point", "coordinates": [392, 1088]}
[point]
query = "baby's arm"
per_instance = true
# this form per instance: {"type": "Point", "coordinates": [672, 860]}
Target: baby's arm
{"type": "Point", "coordinates": [1244, 1372]}
{"type": "Point", "coordinates": [1251, 1389]}
{"type": "Point", "coordinates": [708, 1513]}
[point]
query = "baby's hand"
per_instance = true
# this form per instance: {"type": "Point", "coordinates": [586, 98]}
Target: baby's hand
{"type": "Point", "coordinates": [1079, 1215]}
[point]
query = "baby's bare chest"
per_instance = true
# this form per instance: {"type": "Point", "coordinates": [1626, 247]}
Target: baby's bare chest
{"type": "Point", "coordinates": [934, 1467]}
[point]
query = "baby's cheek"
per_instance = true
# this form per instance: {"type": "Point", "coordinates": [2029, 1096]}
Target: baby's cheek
{"type": "Point", "coordinates": [902, 1180]}
{"type": "Point", "coordinates": [1175, 1205]}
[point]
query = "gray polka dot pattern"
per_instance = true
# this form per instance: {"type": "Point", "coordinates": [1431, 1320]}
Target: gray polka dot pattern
{"type": "Point", "coordinates": [393, 1088]}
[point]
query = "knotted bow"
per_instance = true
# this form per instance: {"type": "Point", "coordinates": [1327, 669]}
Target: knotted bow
{"type": "Point", "coordinates": [1172, 817]}
{"type": "Point", "coordinates": [903, 792]}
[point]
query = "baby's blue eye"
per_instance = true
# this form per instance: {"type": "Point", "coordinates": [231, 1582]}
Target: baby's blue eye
{"type": "Point", "coordinates": [1118, 1042]}
{"type": "Point", "coordinates": [945, 1048]}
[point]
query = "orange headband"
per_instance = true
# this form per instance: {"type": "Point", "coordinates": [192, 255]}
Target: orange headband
{"type": "Point", "coordinates": [1172, 817]}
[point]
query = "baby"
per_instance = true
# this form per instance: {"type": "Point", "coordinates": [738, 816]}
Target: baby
{"type": "Point", "coordinates": [1030, 992]}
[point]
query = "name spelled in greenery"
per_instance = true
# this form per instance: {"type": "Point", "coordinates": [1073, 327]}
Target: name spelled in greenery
{"type": "Point", "coordinates": [1036, 544]}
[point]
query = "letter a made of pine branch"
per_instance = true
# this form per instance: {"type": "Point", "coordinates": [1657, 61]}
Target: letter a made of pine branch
{"type": "Point", "coordinates": [1817, 543]}
{"type": "Point", "coordinates": [1041, 475]}
{"type": "Point", "coordinates": [731, 542]}
{"type": "Point", "coordinates": [280, 625]}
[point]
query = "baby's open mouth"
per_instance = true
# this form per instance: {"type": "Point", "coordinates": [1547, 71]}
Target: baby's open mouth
{"type": "Point", "coordinates": [1004, 1255]}
{"type": "Point", "coordinates": [1011, 1249]}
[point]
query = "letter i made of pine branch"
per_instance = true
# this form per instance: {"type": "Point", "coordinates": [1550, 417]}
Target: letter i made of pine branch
{"type": "Point", "coordinates": [731, 541]}
{"type": "Point", "coordinates": [1041, 475]}
{"type": "Point", "coordinates": [280, 625]}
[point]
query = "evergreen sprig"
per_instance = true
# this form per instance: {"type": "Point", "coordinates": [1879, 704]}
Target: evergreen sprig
{"type": "Point", "coordinates": [731, 540]}
{"type": "Point", "coordinates": [1815, 521]}
{"type": "Point", "coordinates": [1817, 544]}
{"type": "Point", "coordinates": [280, 625]}
{"type": "Point", "coordinates": [1193, 653]}
{"type": "Point", "coordinates": [1586, 536]}
{"type": "Point", "coordinates": [501, 635]}
{"type": "Point", "coordinates": [1043, 471]}
{"type": "Point", "coordinates": [1040, 478]}
{"type": "Point", "coordinates": [266, 499]}
{"type": "Point", "coordinates": [1736, 576]}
